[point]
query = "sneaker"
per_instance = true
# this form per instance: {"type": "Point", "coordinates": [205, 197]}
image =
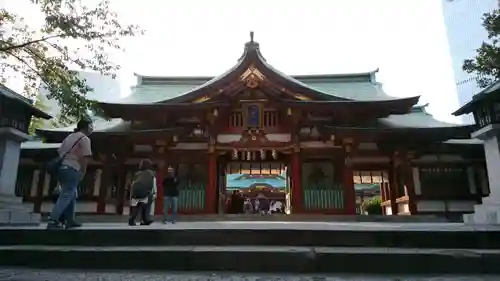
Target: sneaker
{"type": "Point", "coordinates": [146, 222]}
{"type": "Point", "coordinates": [131, 223]}
{"type": "Point", "coordinates": [54, 225]}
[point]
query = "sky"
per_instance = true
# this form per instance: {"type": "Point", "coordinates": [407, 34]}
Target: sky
{"type": "Point", "coordinates": [404, 39]}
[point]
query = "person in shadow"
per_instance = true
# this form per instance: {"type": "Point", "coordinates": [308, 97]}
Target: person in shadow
{"type": "Point", "coordinates": [237, 202]}
{"type": "Point", "coordinates": [171, 196]}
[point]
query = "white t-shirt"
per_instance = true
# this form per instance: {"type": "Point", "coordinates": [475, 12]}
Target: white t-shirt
{"type": "Point", "coordinates": [80, 150]}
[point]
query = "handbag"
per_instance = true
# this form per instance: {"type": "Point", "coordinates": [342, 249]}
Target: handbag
{"type": "Point", "coordinates": [52, 167]}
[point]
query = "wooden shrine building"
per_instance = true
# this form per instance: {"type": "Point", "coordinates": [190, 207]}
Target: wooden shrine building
{"type": "Point", "coordinates": [326, 133]}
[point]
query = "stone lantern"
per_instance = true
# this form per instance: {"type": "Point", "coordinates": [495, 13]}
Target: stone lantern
{"type": "Point", "coordinates": [485, 106]}
{"type": "Point", "coordinates": [16, 112]}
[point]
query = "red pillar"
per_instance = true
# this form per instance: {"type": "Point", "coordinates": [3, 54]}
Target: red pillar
{"type": "Point", "coordinates": [383, 195]}
{"type": "Point", "coordinates": [103, 188]}
{"type": "Point", "coordinates": [121, 185]}
{"type": "Point", "coordinates": [349, 192]}
{"type": "Point", "coordinates": [296, 183]}
{"type": "Point", "coordinates": [407, 172]}
{"type": "Point", "coordinates": [382, 192]}
{"type": "Point", "coordinates": [160, 174]}
{"type": "Point", "coordinates": [211, 189]}
{"type": "Point", "coordinates": [393, 187]}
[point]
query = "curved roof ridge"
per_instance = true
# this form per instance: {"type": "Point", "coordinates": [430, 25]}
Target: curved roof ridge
{"type": "Point", "coordinates": [295, 76]}
{"type": "Point", "coordinates": [252, 57]}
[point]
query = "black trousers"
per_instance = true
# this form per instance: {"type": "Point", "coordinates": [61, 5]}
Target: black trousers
{"type": "Point", "coordinates": [141, 209]}
{"type": "Point", "coordinates": [148, 207]}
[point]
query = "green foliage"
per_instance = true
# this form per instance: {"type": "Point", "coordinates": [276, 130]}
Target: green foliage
{"type": "Point", "coordinates": [373, 206]}
{"type": "Point", "coordinates": [37, 123]}
{"type": "Point", "coordinates": [486, 64]}
{"type": "Point", "coordinates": [74, 37]}
{"type": "Point", "coordinates": [60, 121]}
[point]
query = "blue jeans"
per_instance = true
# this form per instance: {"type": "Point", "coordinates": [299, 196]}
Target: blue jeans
{"type": "Point", "coordinates": [170, 203]}
{"type": "Point", "coordinates": [68, 179]}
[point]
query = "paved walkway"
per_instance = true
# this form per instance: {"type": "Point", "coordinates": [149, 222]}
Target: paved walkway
{"type": "Point", "coordinates": [352, 226]}
{"type": "Point", "coordinates": [64, 275]}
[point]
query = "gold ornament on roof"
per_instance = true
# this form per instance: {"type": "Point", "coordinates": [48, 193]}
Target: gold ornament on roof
{"type": "Point", "coordinates": [252, 82]}
{"type": "Point", "coordinates": [252, 77]}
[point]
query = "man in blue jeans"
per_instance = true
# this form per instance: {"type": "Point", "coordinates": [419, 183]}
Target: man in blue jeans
{"type": "Point", "coordinates": [75, 152]}
{"type": "Point", "coordinates": [171, 195]}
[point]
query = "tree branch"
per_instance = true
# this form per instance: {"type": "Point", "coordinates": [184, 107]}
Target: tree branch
{"type": "Point", "coordinates": [29, 66]}
{"type": "Point", "coordinates": [11, 46]}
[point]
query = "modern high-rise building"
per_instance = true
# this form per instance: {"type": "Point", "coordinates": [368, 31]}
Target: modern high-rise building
{"type": "Point", "coordinates": [463, 19]}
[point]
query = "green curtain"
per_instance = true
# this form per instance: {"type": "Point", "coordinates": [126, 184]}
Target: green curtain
{"type": "Point", "coordinates": [319, 187]}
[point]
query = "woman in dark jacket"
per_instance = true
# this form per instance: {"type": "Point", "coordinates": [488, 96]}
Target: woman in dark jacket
{"type": "Point", "coordinates": [143, 189]}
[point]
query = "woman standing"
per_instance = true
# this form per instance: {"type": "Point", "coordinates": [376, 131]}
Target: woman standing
{"type": "Point", "coordinates": [143, 189]}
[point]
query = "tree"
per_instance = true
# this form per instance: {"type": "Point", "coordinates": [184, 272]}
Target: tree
{"type": "Point", "coordinates": [486, 64]}
{"type": "Point", "coordinates": [73, 37]}
{"type": "Point", "coordinates": [37, 123]}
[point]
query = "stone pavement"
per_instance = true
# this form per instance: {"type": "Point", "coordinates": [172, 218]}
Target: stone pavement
{"type": "Point", "coordinates": [17, 274]}
{"type": "Point", "coordinates": [354, 226]}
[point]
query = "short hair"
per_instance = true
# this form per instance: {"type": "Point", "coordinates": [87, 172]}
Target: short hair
{"type": "Point", "coordinates": [83, 124]}
{"type": "Point", "coordinates": [146, 164]}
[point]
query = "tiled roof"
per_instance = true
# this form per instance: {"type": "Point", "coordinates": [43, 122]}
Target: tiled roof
{"type": "Point", "coordinates": [10, 94]}
{"type": "Point", "coordinates": [492, 91]}
{"type": "Point", "coordinates": [356, 86]}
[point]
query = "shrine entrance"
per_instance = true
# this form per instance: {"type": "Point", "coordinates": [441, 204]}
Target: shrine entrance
{"type": "Point", "coordinates": [246, 186]}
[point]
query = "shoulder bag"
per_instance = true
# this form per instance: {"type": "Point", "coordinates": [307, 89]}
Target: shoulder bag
{"type": "Point", "coordinates": [52, 167]}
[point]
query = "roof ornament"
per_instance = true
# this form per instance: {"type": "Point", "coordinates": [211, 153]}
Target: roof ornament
{"type": "Point", "coordinates": [250, 46]}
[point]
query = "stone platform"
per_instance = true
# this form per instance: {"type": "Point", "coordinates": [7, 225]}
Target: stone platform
{"type": "Point", "coordinates": [266, 246]}
{"type": "Point", "coordinates": [280, 218]}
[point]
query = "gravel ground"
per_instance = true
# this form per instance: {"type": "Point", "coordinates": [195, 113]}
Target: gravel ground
{"type": "Point", "coordinates": [18, 274]}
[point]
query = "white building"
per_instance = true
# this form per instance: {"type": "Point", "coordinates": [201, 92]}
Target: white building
{"type": "Point", "coordinates": [463, 19]}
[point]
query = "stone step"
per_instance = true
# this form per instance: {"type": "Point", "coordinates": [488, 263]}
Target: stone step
{"type": "Point", "coordinates": [257, 259]}
{"type": "Point", "coordinates": [280, 217]}
{"type": "Point", "coordinates": [418, 235]}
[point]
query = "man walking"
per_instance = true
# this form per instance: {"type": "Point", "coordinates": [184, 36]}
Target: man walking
{"type": "Point", "coordinates": [75, 153]}
{"type": "Point", "coordinates": [171, 195]}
